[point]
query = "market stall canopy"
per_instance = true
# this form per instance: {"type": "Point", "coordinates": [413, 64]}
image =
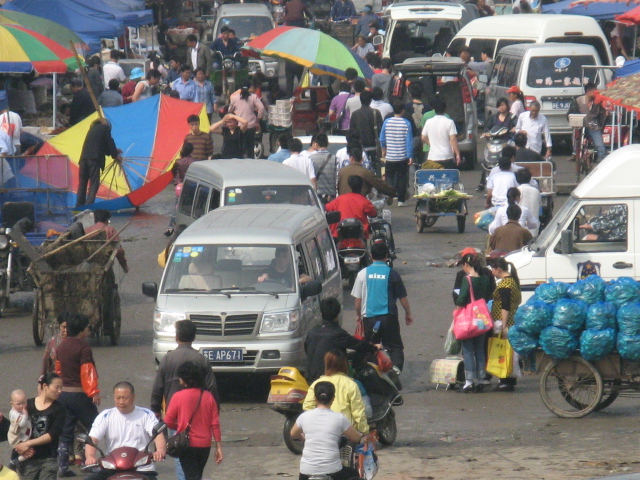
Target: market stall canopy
{"type": "Point", "coordinates": [632, 17]}
{"type": "Point", "coordinates": [600, 10]}
{"type": "Point", "coordinates": [312, 49]}
{"type": "Point", "coordinates": [149, 132]}
{"type": "Point", "coordinates": [624, 92]}
{"type": "Point", "coordinates": [52, 30]}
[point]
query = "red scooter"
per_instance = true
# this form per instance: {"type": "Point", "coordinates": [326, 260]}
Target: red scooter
{"type": "Point", "coordinates": [125, 460]}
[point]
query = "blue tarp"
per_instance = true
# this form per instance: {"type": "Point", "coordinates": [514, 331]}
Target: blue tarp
{"type": "Point", "coordinates": [597, 10]}
{"type": "Point", "coordinates": [630, 67]}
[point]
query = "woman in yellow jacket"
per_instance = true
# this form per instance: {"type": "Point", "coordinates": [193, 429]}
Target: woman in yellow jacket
{"type": "Point", "coordinates": [348, 399]}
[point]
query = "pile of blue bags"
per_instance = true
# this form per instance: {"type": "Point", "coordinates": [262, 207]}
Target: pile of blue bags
{"type": "Point", "coordinates": [591, 315]}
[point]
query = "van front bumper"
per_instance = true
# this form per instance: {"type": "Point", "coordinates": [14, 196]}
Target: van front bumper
{"type": "Point", "coordinates": [259, 356]}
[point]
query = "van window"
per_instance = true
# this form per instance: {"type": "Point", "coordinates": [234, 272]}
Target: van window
{"type": "Point", "coordinates": [328, 255]}
{"type": "Point", "coordinates": [418, 36]}
{"type": "Point", "coordinates": [285, 194]}
{"type": "Point", "coordinates": [316, 260]}
{"type": "Point", "coordinates": [595, 42]}
{"type": "Point", "coordinates": [458, 43]}
{"type": "Point", "coordinates": [560, 71]}
{"type": "Point", "coordinates": [477, 45]}
{"type": "Point", "coordinates": [200, 202]}
{"type": "Point", "coordinates": [215, 199]}
{"type": "Point", "coordinates": [600, 228]}
{"type": "Point", "coordinates": [187, 196]}
{"type": "Point", "coordinates": [497, 73]}
{"type": "Point", "coordinates": [511, 72]}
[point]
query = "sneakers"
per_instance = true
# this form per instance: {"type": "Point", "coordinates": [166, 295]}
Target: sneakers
{"type": "Point", "coordinates": [480, 188]}
{"type": "Point", "coordinates": [402, 204]}
{"type": "Point", "coordinates": [503, 387]}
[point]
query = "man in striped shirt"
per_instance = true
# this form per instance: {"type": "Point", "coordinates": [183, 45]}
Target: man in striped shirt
{"type": "Point", "coordinates": [397, 148]}
{"type": "Point", "coordinates": [201, 141]}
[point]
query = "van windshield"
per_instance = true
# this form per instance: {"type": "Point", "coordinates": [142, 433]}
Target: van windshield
{"type": "Point", "coordinates": [246, 26]}
{"type": "Point", "coordinates": [285, 194]}
{"type": "Point", "coordinates": [228, 269]}
{"type": "Point", "coordinates": [422, 38]}
{"type": "Point", "coordinates": [552, 231]}
{"type": "Point", "coordinates": [560, 71]}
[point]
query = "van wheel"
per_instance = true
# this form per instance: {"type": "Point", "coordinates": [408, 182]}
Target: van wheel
{"type": "Point", "coordinates": [294, 446]}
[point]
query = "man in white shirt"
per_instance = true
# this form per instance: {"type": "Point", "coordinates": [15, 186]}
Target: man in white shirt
{"type": "Point", "coordinates": [440, 134]}
{"type": "Point", "coordinates": [530, 196]}
{"type": "Point", "coordinates": [527, 219]}
{"type": "Point", "coordinates": [10, 122]}
{"type": "Point", "coordinates": [499, 183]}
{"type": "Point", "coordinates": [300, 162]}
{"type": "Point", "coordinates": [353, 103]}
{"type": "Point", "coordinates": [379, 104]}
{"type": "Point", "coordinates": [111, 69]}
{"type": "Point", "coordinates": [535, 125]}
{"type": "Point", "coordinates": [126, 425]}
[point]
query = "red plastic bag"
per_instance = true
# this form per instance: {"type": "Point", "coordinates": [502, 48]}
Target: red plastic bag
{"type": "Point", "coordinates": [89, 379]}
{"type": "Point", "coordinates": [359, 334]}
{"type": "Point", "coordinates": [384, 362]}
{"type": "Point", "coordinates": [472, 320]}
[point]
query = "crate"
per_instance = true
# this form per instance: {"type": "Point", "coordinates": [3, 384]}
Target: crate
{"type": "Point", "coordinates": [576, 120]}
{"type": "Point", "coordinates": [280, 119]}
{"type": "Point", "coordinates": [284, 106]}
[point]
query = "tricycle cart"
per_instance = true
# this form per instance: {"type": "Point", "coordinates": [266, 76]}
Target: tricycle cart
{"type": "Point", "coordinates": [77, 276]}
{"type": "Point", "coordinates": [575, 387]}
{"type": "Point", "coordinates": [431, 206]}
{"type": "Point", "coordinates": [543, 172]}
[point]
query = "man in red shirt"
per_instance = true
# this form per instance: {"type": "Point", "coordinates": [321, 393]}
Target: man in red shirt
{"type": "Point", "coordinates": [101, 218]}
{"type": "Point", "coordinates": [352, 205]}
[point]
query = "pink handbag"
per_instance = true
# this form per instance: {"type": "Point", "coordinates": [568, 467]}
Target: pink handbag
{"type": "Point", "coordinates": [472, 320]}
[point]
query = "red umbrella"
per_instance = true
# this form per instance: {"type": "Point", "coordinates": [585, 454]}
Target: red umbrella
{"type": "Point", "coordinates": [632, 17]}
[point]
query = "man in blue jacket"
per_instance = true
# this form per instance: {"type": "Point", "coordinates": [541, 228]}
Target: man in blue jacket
{"type": "Point", "coordinates": [343, 10]}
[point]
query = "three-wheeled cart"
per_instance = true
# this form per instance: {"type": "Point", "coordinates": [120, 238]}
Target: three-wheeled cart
{"type": "Point", "coordinates": [543, 172]}
{"type": "Point", "coordinates": [77, 276]}
{"type": "Point", "coordinates": [430, 207]}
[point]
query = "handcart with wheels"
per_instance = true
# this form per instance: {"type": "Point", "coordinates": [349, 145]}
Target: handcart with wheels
{"type": "Point", "coordinates": [447, 198]}
{"type": "Point", "coordinates": [575, 387]}
{"type": "Point", "coordinates": [77, 276]}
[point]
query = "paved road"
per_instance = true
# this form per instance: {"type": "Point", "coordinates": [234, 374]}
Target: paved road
{"type": "Point", "coordinates": [442, 435]}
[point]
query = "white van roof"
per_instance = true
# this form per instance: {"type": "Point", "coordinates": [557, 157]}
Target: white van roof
{"type": "Point", "coordinates": [617, 176]}
{"type": "Point", "coordinates": [252, 224]}
{"type": "Point", "coordinates": [541, 49]}
{"type": "Point", "coordinates": [245, 172]}
{"type": "Point", "coordinates": [529, 25]}
{"type": "Point", "coordinates": [243, 9]}
{"type": "Point", "coordinates": [426, 10]}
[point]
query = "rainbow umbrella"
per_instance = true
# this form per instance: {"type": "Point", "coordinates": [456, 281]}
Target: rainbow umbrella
{"type": "Point", "coordinates": [314, 50]}
{"type": "Point", "coordinates": [49, 29]}
{"type": "Point", "coordinates": [23, 50]}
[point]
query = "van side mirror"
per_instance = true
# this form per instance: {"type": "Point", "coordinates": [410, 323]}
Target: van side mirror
{"type": "Point", "coordinates": [566, 242]}
{"type": "Point", "coordinates": [309, 289]}
{"type": "Point", "coordinates": [150, 289]}
{"type": "Point", "coordinates": [332, 217]}
{"type": "Point", "coordinates": [377, 40]}
{"type": "Point", "coordinates": [483, 78]}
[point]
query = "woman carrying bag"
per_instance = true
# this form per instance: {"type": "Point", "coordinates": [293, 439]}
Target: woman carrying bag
{"type": "Point", "coordinates": [473, 286]}
{"type": "Point", "coordinates": [506, 300]}
{"type": "Point", "coordinates": [195, 411]}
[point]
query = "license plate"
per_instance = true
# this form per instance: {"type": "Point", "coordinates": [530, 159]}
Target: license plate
{"type": "Point", "coordinates": [351, 260]}
{"type": "Point", "coordinates": [560, 105]}
{"type": "Point", "coordinates": [223, 354]}
{"type": "Point", "coordinates": [606, 138]}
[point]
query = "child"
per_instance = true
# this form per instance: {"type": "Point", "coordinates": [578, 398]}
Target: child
{"type": "Point", "coordinates": [20, 429]}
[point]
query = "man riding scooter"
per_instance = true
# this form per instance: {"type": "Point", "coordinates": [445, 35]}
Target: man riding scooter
{"type": "Point", "coordinates": [352, 205]}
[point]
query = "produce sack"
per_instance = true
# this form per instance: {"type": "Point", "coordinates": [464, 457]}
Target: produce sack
{"type": "Point", "coordinates": [484, 219]}
{"type": "Point", "coordinates": [558, 342]}
{"type": "Point", "coordinates": [629, 319]}
{"type": "Point", "coordinates": [499, 357]}
{"type": "Point", "coordinates": [601, 315]}
{"type": "Point", "coordinates": [596, 344]}
{"type": "Point", "coordinates": [570, 314]}
{"type": "Point", "coordinates": [532, 318]}
{"type": "Point", "coordinates": [521, 341]}
{"type": "Point", "coordinates": [629, 346]}
{"type": "Point", "coordinates": [552, 291]}
{"type": "Point", "coordinates": [590, 289]}
{"type": "Point", "coordinates": [621, 291]}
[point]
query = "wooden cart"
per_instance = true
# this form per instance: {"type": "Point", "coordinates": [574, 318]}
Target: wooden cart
{"type": "Point", "coordinates": [430, 207]}
{"type": "Point", "coordinates": [77, 277]}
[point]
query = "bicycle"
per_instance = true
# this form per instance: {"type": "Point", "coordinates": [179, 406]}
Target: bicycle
{"type": "Point", "coordinates": [586, 153]}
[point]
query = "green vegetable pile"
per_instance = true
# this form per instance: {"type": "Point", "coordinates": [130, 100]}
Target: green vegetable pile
{"type": "Point", "coordinates": [447, 201]}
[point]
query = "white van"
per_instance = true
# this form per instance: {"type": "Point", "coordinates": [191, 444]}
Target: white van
{"type": "Point", "coordinates": [596, 231]}
{"type": "Point", "coordinates": [215, 277]}
{"type": "Point", "coordinates": [550, 73]}
{"type": "Point", "coordinates": [500, 31]}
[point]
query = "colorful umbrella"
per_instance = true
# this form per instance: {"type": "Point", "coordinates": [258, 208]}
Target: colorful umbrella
{"type": "Point", "coordinates": [624, 92]}
{"type": "Point", "coordinates": [149, 132]}
{"type": "Point", "coordinates": [23, 50]}
{"type": "Point", "coordinates": [312, 49]}
{"type": "Point", "coordinates": [49, 29]}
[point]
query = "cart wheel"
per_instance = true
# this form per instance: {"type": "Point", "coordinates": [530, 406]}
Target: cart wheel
{"type": "Point", "coordinates": [419, 223]}
{"type": "Point", "coordinates": [258, 149]}
{"type": "Point", "coordinates": [38, 323]}
{"type": "Point", "coordinates": [462, 220]}
{"type": "Point", "coordinates": [430, 221]}
{"type": "Point", "coordinates": [571, 388]}
{"type": "Point", "coordinates": [115, 317]}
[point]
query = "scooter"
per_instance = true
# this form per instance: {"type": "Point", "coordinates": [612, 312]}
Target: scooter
{"type": "Point", "coordinates": [125, 460]}
{"type": "Point", "coordinates": [289, 389]}
{"type": "Point", "coordinates": [380, 226]}
{"type": "Point", "coordinates": [277, 11]}
{"type": "Point", "coordinates": [493, 150]}
{"type": "Point", "coordinates": [352, 249]}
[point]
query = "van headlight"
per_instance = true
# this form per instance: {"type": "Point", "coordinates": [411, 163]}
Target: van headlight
{"type": "Point", "coordinates": [279, 322]}
{"type": "Point", "coordinates": [165, 321]}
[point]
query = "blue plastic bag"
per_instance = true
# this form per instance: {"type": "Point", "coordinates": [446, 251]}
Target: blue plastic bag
{"type": "Point", "coordinates": [629, 319]}
{"type": "Point", "coordinates": [629, 346]}
{"type": "Point", "coordinates": [590, 290]}
{"type": "Point", "coordinates": [533, 317]}
{"type": "Point", "coordinates": [552, 291]}
{"type": "Point", "coordinates": [596, 344]}
{"type": "Point", "coordinates": [521, 341]}
{"type": "Point", "coordinates": [558, 342]}
{"type": "Point", "coordinates": [570, 314]}
{"type": "Point", "coordinates": [602, 315]}
{"type": "Point", "coordinates": [486, 218]}
{"type": "Point", "coordinates": [621, 291]}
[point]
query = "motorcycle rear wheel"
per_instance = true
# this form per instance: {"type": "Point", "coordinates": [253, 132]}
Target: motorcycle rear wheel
{"type": "Point", "coordinates": [388, 429]}
{"type": "Point", "coordinates": [294, 446]}
{"type": "Point", "coordinates": [38, 325]}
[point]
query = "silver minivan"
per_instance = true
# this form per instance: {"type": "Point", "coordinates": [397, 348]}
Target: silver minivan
{"type": "Point", "coordinates": [215, 277]}
{"type": "Point", "coordinates": [210, 184]}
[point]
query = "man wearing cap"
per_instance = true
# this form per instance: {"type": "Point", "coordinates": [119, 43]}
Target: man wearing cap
{"type": "Point", "coordinates": [294, 13]}
{"type": "Point", "coordinates": [111, 69]}
{"type": "Point", "coordinates": [81, 105]}
{"type": "Point", "coordinates": [130, 87]}
{"type": "Point", "coordinates": [342, 10]}
{"type": "Point", "coordinates": [367, 16]}
{"type": "Point", "coordinates": [10, 122]}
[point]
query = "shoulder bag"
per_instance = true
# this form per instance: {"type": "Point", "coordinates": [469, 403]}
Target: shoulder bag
{"type": "Point", "coordinates": [178, 443]}
{"type": "Point", "coordinates": [472, 320]}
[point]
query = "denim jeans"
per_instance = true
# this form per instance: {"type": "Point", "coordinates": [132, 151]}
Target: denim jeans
{"type": "Point", "coordinates": [598, 142]}
{"type": "Point", "coordinates": [79, 408]}
{"type": "Point", "coordinates": [475, 358]}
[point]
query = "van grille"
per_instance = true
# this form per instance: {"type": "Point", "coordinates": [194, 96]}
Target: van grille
{"type": "Point", "coordinates": [233, 325]}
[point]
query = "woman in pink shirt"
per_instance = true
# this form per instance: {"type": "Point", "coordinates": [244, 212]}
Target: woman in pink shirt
{"type": "Point", "coordinates": [247, 105]}
{"type": "Point", "coordinates": [195, 408]}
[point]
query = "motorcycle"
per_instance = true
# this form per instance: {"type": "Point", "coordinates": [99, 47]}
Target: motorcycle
{"type": "Point", "coordinates": [493, 150]}
{"type": "Point", "coordinates": [352, 249]}
{"type": "Point", "coordinates": [277, 11]}
{"type": "Point", "coordinates": [227, 81]}
{"type": "Point", "coordinates": [289, 389]}
{"type": "Point", "coordinates": [125, 460]}
{"type": "Point", "coordinates": [380, 226]}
